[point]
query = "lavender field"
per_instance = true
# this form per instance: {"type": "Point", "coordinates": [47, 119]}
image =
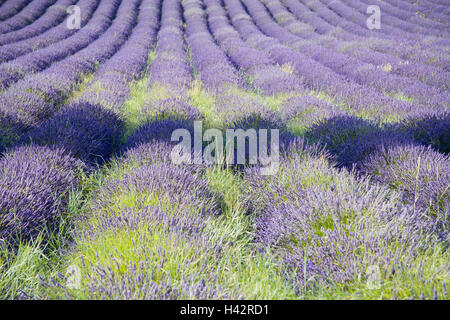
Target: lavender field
{"type": "Point", "coordinates": [347, 197]}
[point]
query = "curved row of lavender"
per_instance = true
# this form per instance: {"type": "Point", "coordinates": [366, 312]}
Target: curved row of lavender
{"type": "Point", "coordinates": [365, 185]}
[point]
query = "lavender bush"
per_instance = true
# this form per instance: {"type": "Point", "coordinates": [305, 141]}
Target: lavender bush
{"type": "Point", "coordinates": [420, 173]}
{"type": "Point", "coordinates": [34, 185]}
{"type": "Point", "coordinates": [89, 132]}
{"type": "Point", "coordinates": [331, 227]}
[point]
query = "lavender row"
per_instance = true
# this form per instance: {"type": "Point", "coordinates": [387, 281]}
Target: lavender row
{"type": "Point", "coordinates": [178, 218]}
{"type": "Point", "coordinates": [362, 73]}
{"type": "Point", "coordinates": [212, 64]}
{"type": "Point", "coordinates": [110, 86]}
{"type": "Point", "coordinates": [321, 26]}
{"type": "Point", "coordinates": [430, 57]}
{"type": "Point", "coordinates": [160, 230]}
{"type": "Point", "coordinates": [425, 73]}
{"type": "Point", "coordinates": [40, 59]}
{"type": "Point", "coordinates": [170, 69]}
{"type": "Point", "coordinates": [333, 17]}
{"type": "Point", "coordinates": [31, 12]}
{"type": "Point", "coordinates": [338, 229]}
{"type": "Point", "coordinates": [171, 66]}
{"type": "Point", "coordinates": [265, 75]}
{"type": "Point", "coordinates": [37, 97]}
{"type": "Point", "coordinates": [325, 20]}
{"type": "Point", "coordinates": [287, 20]}
{"type": "Point", "coordinates": [54, 35]}
{"type": "Point", "coordinates": [11, 8]}
{"type": "Point", "coordinates": [318, 77]}
{"type": "Point", "coordinates": [86, 129]}
{"type": "Point", "coordinates": [52, 16]}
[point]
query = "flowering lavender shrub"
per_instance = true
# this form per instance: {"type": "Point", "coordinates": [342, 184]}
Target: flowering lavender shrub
{"type": "Point", "coordinates": [34, 185]}
{"type": "Point", "coordinates": [171, 108]}
{"type": "Point", "coordinates": [308, 110]}
{"type": "Point", "coordinates": [241, 112]}
{"type": "Point", "coordinates": [155, 129]}
{"type": "Point", "coordinates": [147, 153]}
{"type": "Point", "coordinates": [431, 129]}
{"type": "Point", "coordinates": [89, 132]}
{"type": "Point", "coordinates": [162, 211]}
{"type": "Point", "coordinates": [245, 112]}
{"type": "Point", "coordinates": [10, 132]}
{"type": "Point", "coordinates": [159, 184]}
{"type": "Point", "coordinates": [421, 174]}
{"type": "Point", "coordinates": [159, 241]}
{"type": "Point", "coordinates": [351, 139]}
{"type": "Point", "coordinates": [330, 227]}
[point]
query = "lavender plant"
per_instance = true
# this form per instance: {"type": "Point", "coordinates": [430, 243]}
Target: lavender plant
{"type": "Point", "coordinates": [419, 173]}
{"type": "Point", "coordinates": [330, 227]}
{"type": "Point", "coordinates": [34, 185]}
{"type": "Point", "coordinates": [89, 132]}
